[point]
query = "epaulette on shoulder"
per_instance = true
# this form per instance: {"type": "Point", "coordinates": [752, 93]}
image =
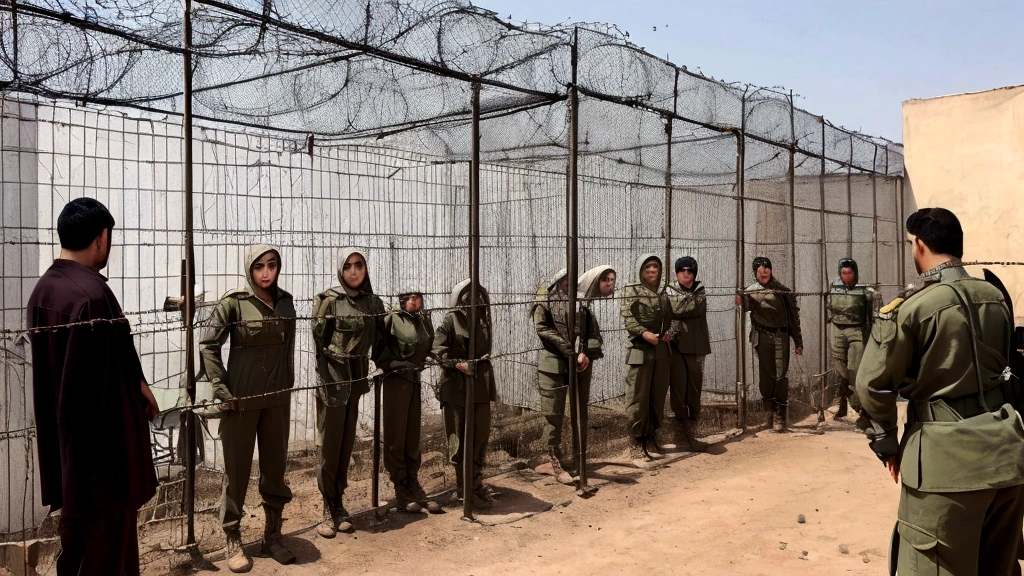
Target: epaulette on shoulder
{"type": "Point", "coordinates": [236, 292]}
{"type": "Point", "coordinates": [889, 309]}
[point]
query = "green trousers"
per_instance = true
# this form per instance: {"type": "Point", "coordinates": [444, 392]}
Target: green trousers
{"type": "Point", "coordinates": [336, 427]}
{"type": "Point", "coordinates": [847, 350]}
{"type": "Point", "coordinates": [553, 390]}
{"type": "Point", "coordinates": [455, 427]}
{"type": "Point", "coordinates": [239, 433]}
{"type": "Point", "coordinates": [402, 411]}
{"type": "Point", "coordinates": [772, 365]}
{"type": "Point", "coordinates": [960, 533]}
{"type": "Point", "coordinates": [646, 387]}
{"type": "Point", "coordinates": [686, 384]}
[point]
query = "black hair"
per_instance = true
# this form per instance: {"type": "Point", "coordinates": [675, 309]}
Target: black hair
{"type": "Point", "coordinates": [939, 229]}
{"type": "Point", "coordinates": [761, 261]}
{"type": "Point", "coordinates": [81, 221]}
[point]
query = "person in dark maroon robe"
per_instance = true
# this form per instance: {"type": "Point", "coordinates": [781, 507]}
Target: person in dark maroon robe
{"type": "Point", "coordinates": [92, 402]}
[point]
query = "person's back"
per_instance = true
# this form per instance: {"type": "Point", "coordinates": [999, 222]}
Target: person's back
{"type": "Point", "coordinates": [91, 401]}
{"type": "Point", "coordinates": [943, 345]}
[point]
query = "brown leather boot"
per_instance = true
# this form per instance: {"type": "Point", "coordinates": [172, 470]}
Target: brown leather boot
{"type": "Point", "coordinates": [273, 542]}
{"type": "Point", "coordinates": [327, 528]}
{"type": "Point", "coordinates": [238, 560]}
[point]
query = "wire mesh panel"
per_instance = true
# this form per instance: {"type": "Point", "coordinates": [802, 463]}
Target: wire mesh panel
{"type": "Point", "coordinates": [324, 125]}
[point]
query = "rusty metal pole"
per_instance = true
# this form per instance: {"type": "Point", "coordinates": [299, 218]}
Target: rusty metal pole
{"type": "Point", "coordinates": [741, 340]}
{"type": "Point", "coordinates": [874, 215]}
{"type": "Point", "coordinates": [823, 263]}
{"type": "Point", "coordinates": [581, 404]}
{"type": "Point", "coordinates": [190, 277]}
{"type": "Point", "coordinates": [474, 309]}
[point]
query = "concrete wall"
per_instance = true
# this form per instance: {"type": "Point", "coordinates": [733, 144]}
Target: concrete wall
{"type": "Point", "coordinates": [964, 153]}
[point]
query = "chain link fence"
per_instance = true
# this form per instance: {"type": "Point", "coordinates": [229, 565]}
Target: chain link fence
{"type": "Point", "coordinates": [319, 125]}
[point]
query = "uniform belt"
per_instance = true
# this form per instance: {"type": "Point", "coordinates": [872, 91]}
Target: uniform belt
{"type": "Point", "coordinates": [782, 329]}
{"type": "Point", "coordinates": [956, 409]}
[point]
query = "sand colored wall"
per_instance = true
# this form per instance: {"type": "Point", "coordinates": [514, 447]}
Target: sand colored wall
{"type": "Point", "coordinates": [966, 153]}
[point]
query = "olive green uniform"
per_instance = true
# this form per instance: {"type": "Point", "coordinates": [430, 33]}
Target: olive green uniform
{"type": "Point", "coordinates": [690, 344]}
{"type": "Point", "coordinates": [409, 338]}
{"type": "Point", "coordinates": [961, 466]}
{"type": "Point", "coordinates": [645, 310]}
{"type": "Point", "coordinates": [451, 346]}
{"type": "Point", "coordinates": [774, 319]}
{"type": "Point", "coordinates": [348, 324]}
{"type": "Point", "coordinates": [258, 377]}
{"type": "Point", "coordinates": [850, 309]}
{"type": "Point", "coordinates": [558, 356]}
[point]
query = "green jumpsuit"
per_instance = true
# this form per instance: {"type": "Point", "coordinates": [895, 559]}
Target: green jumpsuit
{"type": "Point", "coordinates": [451, 346]}
{"type": "Point", "coordinates": [774, 319]}
{"type": "Point", "coordinates": [348, 323]}
{"type": "Point", "coordinates": [409, 338]}
{"type": "Point", "coordinates": [645, 309]}
{"type": "Point", "coordinates": [258, 378]}
{"type": "Point", "coordinates": [550, 318]}
{"type": "Point", "coordinates": [850, 309]}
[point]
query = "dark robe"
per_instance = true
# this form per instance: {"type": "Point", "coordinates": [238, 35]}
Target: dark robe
{"type": "Point", "coordinates": [92, 433]}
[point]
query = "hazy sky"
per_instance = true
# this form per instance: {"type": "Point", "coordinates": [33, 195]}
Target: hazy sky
{"type": "Point", "coordinates": [854, 62]}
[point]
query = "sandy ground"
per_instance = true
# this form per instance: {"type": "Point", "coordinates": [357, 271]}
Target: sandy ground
{"type": "Point", "coordinates": [736, 511]}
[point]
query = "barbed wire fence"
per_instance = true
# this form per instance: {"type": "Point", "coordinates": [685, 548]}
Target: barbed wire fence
{"type": "Point", "coordinates": [317, 126]}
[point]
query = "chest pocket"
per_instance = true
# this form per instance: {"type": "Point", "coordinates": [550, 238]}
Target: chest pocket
{"type": "Point", "coordinates": [648, 311]}
{"type": "Point", "coordinates": [256, 329]}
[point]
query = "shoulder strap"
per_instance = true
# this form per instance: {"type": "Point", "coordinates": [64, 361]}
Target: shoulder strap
{"type": "Point", "coordinates": [965, 303]}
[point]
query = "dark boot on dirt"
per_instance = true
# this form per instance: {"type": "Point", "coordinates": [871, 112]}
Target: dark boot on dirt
{"type": "Point", "coordinates": [692, 443]}
{"type": "Point", "coordinates": [560, 474]}
{"type": "Point", "coordinates": [636, 450]}
{"type": "Point", "coordinates": [783, 419]}
{"type": "Point", "coordinates": [238, 560]}
{"type": "Point", "coordinates": [651, 447]}
{"type": "Point", "coordinates": [769, 409]}
{"type": "Point", "coordinates": [482, 500]}
{"type": "Point", "coordinates": [863, 423]}
{"type": "Point", "coordinates": [404, 498]}
{"type": "Point", "coordinates": [273, 542]}
{"type": "Point", "coordinates": [841, 412]}
{"type": "Point", "coordinates": [420, 495]}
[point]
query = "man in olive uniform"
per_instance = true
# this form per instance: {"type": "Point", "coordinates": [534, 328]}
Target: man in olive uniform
{"type": "Point", "coordinates": [690, 344]}
{"type": "Point", "coordinates": [348, 326]}
{"type": "Point", "coordinates": [408, 337]}
{"type": "Point", "coordinates": [943, 346]}
{"type": "Point", "coordinates": [774, 319]}
{"type": "Point", "coordinates": [850, 306]}
{"type": "Point", "coordinates": [560, 354]}
{"type": "Point", "coordinates": [451, 348]}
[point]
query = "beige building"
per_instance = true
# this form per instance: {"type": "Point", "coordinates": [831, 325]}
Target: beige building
{"type": "Point", "coordinates": [966, 153]}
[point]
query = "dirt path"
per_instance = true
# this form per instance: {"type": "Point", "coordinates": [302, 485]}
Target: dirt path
{"type": "Point", "coordinates": [734, 512]}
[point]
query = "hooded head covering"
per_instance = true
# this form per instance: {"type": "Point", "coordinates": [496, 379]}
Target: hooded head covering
{"type": "Point", "coordinates": [643, 260]}
{"type": "Point", "coordinates": [851, 264]}
{"type": "Point", "coordinates": [460, 295]}
{"type": "Point", "coordinates": [760, 261]}
{"type": "Point", "coordinates": [589, 285]}
{"type": "Point", "coordinates": [366, 287]}
{"type": "Point", "coordinates": [254, 253]}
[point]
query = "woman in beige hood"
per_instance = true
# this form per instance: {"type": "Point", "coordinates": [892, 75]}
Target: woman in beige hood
{"type": "Point", "coordinates": [348, 326]}
{"type": "Point", "coordinates": [259, 320]}
{"type": "Point", "coordinates": [562, 353]}
{"type": "Point", "coordinates": [647, 316]}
